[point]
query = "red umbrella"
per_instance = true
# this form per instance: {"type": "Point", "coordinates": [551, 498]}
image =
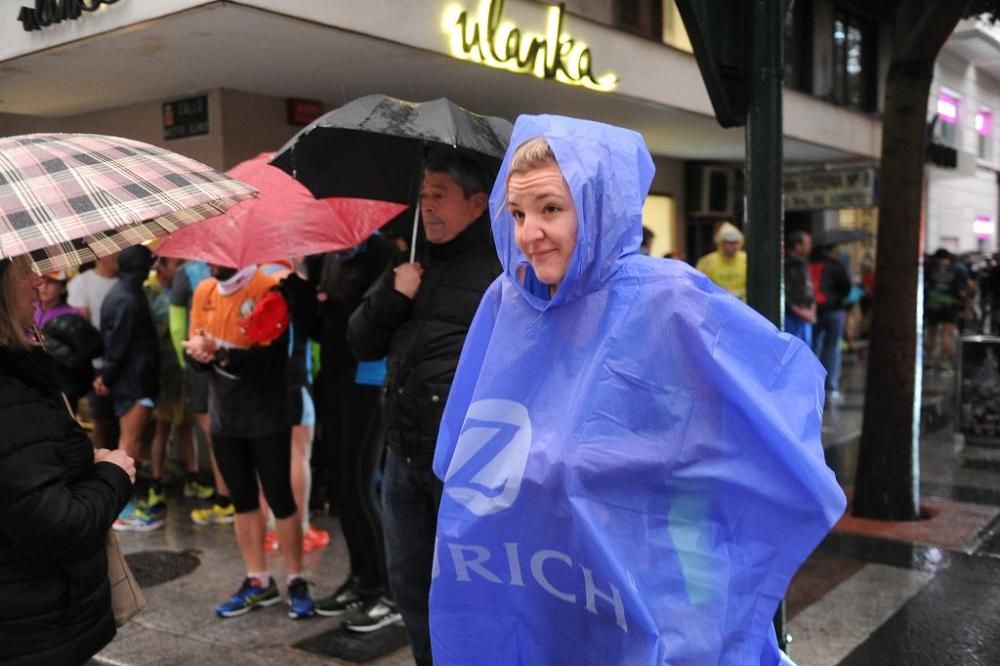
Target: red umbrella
{"type": "Point", "coordinates": [284, 221]}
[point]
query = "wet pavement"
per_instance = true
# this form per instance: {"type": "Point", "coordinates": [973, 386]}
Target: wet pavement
{"type": "Point", "coordinates": [873, 593]}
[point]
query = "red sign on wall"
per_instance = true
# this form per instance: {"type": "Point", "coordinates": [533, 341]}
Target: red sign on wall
{"type": "Point", "coordinates": [303, 111]}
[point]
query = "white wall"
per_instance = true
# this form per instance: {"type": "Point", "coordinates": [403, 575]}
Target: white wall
{"type": "Point", "coordinates": [956, 196]}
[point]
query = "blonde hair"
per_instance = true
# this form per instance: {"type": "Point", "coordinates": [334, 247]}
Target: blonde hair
{"type": "Point", "coordinates": [533, 154]}
{"type": "Point", "coordinates": [12, 330]}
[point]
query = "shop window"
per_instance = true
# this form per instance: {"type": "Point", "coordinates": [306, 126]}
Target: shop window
{"type": "Point", "coordinates": [674, 33]}
{"type": "Point", "coordinates": [798, 47]}
{"type": "Point", "coordinates": [984, 134]}
{"type": "Point", "coordinates": [854, 62]}
{"type": "Point", "coordinates": [947, 119]}
{"type": "Point", "coordinates": [658, 215]}
{"type": "Point", "coordinates": [641, 17]}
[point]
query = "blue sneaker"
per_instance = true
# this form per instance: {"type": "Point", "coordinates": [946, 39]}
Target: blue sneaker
{"type": "Point", "coordinates": [250, 595]}
{"type": "Point", "coordinates": [300, 604]}
{"type": "Point", "coordinates": [140, 518]}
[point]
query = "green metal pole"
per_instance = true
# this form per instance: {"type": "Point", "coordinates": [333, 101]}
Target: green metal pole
{"type": "Point", "coordinates": [764, 210]}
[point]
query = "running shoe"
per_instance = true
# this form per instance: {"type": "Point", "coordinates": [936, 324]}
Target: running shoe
{"type": "Point", "coordinates": [313, 539]}
{"type": "Point", "coordinates": [271, 541]}
{"type": "Point", "coordinates": [214, 514]}
{"type": "Point", "coordinates": [252, 594]}
{"type": "Point", "coordinates": [300, 604]}
{"type": "Point", "coordinates": [155, 499]}
{"type": "Point", "coordinates": [373, 616]}
{"type": "Point", "coordinates": [194, 488]}
{"type": "Point", "coordinates": [141, 519]}
{"type": "Point", "coordinates": [347, 597]}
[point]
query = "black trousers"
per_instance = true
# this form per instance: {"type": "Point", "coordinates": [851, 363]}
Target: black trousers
{"type": "Point", "coordinates": [351, 430]}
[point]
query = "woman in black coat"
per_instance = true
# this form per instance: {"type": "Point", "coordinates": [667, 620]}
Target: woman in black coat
{"type": "Point", "coordinates": [58, 498]}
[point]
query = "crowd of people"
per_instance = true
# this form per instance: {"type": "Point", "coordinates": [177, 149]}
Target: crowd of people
{"type": "Point", "coordinates": [519, 328]}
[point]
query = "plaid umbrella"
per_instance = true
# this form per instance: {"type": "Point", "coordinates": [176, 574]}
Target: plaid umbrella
{"type": "Point", "coordinates": [66, 199]}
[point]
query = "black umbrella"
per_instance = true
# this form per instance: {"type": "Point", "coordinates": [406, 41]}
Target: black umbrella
{"type": "Point", "coordinates": [374, 147]}
{"type": "Point", "coordinates": [838, 236]}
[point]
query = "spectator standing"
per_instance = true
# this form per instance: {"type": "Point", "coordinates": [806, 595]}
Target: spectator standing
{"type": "Point", "coordinates": [86, 293]}
{"type": "Point", "coordinates": [251, 430]}
{"type": "Point", "coordinates": [186, 280]}
{"type": "Point", "coordinates": [944, 289]}
{"type": "Point", "coordinates": [727, 265]}
{"type": "Point", "coordinates": [349, 404]}
{"type": "Point", "coordinates": [58, 497]}
{"type": "Point", "coordinates": [71, 340]}
{"type": "Point", "coordinates": [833, 285]}
{"type": "Point", "coordinates": [800, 299]}
{"type": "Point", "coordinates": [130, 364]}
{"type": "Point", "coordinates": [418, 314]}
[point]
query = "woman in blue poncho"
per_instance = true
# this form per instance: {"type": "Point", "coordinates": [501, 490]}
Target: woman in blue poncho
{"type": "Point", "coordinates": [631, 456]}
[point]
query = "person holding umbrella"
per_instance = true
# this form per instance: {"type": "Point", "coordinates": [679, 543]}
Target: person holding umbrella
{"type": "Point", "coordinates": [418, 314]}
{"type": "Point", "coordinates": [68, 199]}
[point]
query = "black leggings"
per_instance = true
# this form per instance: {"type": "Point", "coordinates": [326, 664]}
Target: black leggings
{"type": "Point", "coordinates": [242, 460]}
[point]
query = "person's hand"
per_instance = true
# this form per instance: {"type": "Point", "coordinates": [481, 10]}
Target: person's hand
{"type": "Point", "coordinates": [201, 348]}
{"type": "Point", "coordinates": [117, 457]}
{"type": "Point", "coordinates": [100, 388]}
{"type": "Point", "coordinates": [805, 312]}
{"type": "Point", "coordinates": [407, 279]}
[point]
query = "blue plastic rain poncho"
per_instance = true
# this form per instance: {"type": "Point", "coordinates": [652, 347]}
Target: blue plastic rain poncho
{"type": "Point", "coordinates": [633, 469]}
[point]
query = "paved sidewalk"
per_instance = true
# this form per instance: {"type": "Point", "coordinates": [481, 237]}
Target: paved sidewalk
{"type": "Point", "coordinates": [873, 593]}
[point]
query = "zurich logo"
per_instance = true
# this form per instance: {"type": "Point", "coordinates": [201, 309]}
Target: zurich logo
{"type": "Point", "coordinates": [490, 457]}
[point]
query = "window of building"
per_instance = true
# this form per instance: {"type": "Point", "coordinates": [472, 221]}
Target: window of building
{"type": "Point", "coordinates": [674, 33]}
{"type": "Point", "coordinates": [658, 215]}
{"type": "Point", "coordinates": [641, 17]}
{"type": "Point", "coordinates": [798, 47]}
{"type": "Point", "coordinates": [854, 62]}
{"type": "Point", "coordinates": [984, 134]}
{"type": "Point", "coordinates": [947, 118]}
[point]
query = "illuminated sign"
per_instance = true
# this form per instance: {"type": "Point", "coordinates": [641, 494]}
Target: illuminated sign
{"type": "Point", "coordinates": [47, 12]}
{"type": "Point", "coordinates": [983, 226]}
{"type": "Point", "coordinates": [487, 38]}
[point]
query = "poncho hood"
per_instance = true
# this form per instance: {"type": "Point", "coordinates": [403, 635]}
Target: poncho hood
{"type": "Point", "coordinates": [608, 170]}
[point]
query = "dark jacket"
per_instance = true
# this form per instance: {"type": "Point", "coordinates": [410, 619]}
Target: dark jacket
{"type": "Point", "coordinates": [798, 285]}
{"type": "Point", "coordinates": [56, 506]}
{"type": "Point", "coordinates": [73, 343]}
{"type": "Point", "coordinates": [423, 338]}
{"type": "Point", "coordinates": [131, 368]}
{"type": "Point", "coordinates": [834, 285]}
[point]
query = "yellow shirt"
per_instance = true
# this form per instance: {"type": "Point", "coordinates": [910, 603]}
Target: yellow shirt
{"type": "Point", "coordinates": [730, 274]}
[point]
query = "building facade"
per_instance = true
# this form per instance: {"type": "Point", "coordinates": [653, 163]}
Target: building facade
{"type": "Point", "coordinates": [962, 192]}
{"type": "Point", "coordinates": [225, 81]}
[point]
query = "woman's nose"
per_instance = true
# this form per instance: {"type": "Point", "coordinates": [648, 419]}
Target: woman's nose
{"type": "Point", "coordinates": [531, 230]}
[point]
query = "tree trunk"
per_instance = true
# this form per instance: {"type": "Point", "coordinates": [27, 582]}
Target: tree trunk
{"type": "Point", "coordinates": [887, 483]}
{"type": "Point", "coordinates": [888, 475]}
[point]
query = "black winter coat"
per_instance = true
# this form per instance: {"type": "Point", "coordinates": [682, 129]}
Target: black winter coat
{"type": "Point", "coordinates": [423, 338]}
{"type": "Point", "coordinates": [56, 507]}
{"type": "Point", "coordinates": [131, 368]}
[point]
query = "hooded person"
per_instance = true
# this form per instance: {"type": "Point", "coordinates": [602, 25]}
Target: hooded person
{"type": "Point", "coordinates": [631, 458]}
{"type": "Point", "coordinates": [727, 265]}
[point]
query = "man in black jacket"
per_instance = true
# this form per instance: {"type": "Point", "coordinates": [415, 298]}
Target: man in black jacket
{"type": "Point", "coordinates": [418, 314]}
{"type": "Point", "coordinates": [130, 369]}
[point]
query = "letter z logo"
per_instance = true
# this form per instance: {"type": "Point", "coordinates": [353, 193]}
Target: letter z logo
{"type": "Point", "coordinates": [490, 457]}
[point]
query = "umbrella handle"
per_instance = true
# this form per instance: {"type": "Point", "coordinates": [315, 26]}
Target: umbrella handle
{"type": "Point", "coordinates": [416, 223]}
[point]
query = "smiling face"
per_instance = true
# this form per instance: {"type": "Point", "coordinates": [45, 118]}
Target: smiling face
{"type": "Point", "coordinates": [545, 221]}
{"type": "Point", "coordinates": [445, 210]}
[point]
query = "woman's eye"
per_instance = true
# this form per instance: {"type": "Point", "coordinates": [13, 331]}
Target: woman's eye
{"type": "Point", "coordinates": [552, 209]}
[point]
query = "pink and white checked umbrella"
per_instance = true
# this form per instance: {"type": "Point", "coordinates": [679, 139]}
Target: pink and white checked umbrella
{"type": "Point", "coordinates": [66, 199]}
